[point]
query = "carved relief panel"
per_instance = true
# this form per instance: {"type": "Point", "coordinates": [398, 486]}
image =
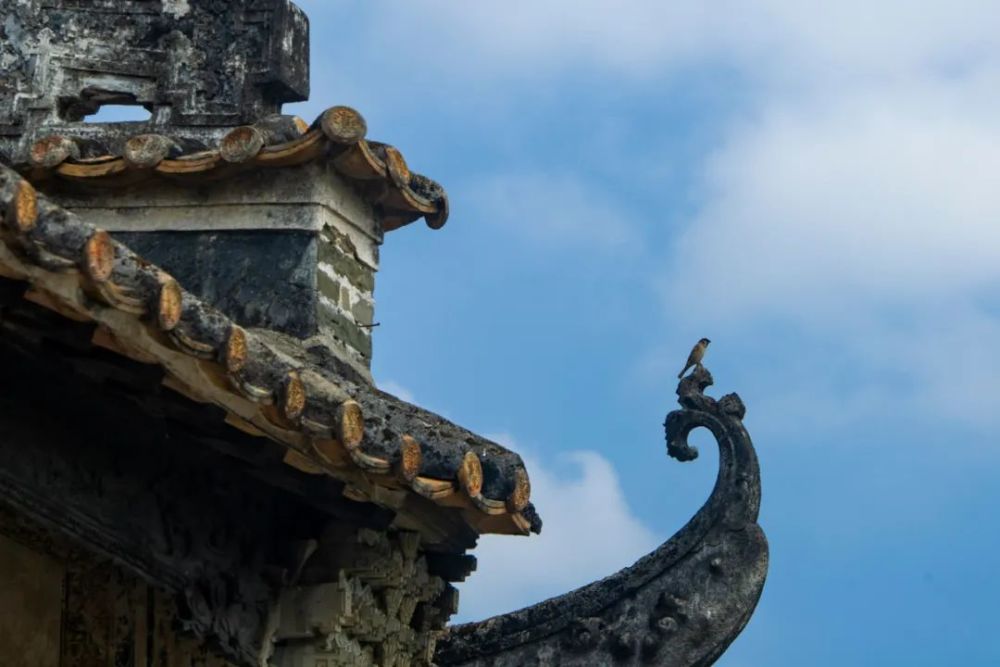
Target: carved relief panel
{"type": "Point", "coordinates": [190, 62]}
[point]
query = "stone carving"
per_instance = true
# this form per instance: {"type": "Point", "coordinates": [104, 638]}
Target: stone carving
{"type": "Point", "coordinates": [189, 62]}
{"type": "Point", "coordinates": [365, 598]}
{"type": "Point", "coordinates": [682, 604]}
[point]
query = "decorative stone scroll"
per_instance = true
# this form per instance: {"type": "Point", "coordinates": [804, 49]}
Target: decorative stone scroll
{"type": "Point", "coordinates": [679, 606]}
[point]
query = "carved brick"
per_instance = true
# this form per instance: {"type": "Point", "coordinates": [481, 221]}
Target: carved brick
{"type": "Point", "coordinates": [365, 613]}
{"type": "Point", "coordinates": [190, 62]}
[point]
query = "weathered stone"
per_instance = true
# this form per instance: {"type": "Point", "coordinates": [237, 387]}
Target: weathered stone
{"type": "Point", "coordinates": [201, 67]}
{"type": "Point", "coordinates": [680, 605]}
{"type": "Point", "coordinates": [344, 261]}
{"type": "Point", "coordinates": [263, 248]}
{"type": "Point", "coordinates": [356, 601]}
{"type": "Point", "coordinates": [346, 330]}
{"type": "Point", "coordinates": [363, 311]}
{"type": "Point", "coordinates": [332, 289]}
{"type": "Point", "coordinates": [190, 62]}
{"type": "Point", "coordinates": [260, 278]}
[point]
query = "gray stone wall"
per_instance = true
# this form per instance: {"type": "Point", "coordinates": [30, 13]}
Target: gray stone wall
{"type": "Point", "coordinates": [260, 278]}
{"type": "Point", "coordinates": [293, 249]}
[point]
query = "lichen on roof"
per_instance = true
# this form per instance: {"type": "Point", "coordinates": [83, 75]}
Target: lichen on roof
{"type": "Point", "coordinates": [267, 383]}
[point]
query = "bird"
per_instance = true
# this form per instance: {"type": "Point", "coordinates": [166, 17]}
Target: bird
{"type": "Point", "coordinates": [697, 354]}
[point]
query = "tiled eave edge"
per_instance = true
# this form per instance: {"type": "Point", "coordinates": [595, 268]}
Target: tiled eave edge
{"type": "Point", "coordinates": [378, 171]}
{"type": "Point", "coordinates": [384, 448]}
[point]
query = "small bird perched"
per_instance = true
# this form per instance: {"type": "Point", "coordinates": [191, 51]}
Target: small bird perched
{"type": "Point", "coordinates": [697, 354]}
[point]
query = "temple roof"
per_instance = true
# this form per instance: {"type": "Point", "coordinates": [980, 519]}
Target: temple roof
{"type": "Point", "coordinates": [384, 450]}
{"type": "Point", "coordinates": [133, 154]}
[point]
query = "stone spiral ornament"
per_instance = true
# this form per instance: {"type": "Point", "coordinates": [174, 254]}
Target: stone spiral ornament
{"type": "Point", "coordinates": [679, 606]}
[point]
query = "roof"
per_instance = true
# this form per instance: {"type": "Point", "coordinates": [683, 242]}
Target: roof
{"type": "Point", "coordinates": [128, 154]}
{"type": "Point", "coordinates": [385, 449]}
{"type": "Point", "coordinates": [682, 603]}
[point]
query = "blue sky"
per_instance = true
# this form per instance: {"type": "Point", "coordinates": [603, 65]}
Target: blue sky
{"type": "Point", "coordinates": [815, 187]}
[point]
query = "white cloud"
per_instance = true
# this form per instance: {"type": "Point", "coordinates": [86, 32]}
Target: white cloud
{"type": "Point", "coordinates": [553, 209]}
{"type": "Point", "coordinates": [589, 532]}
{"type": "Point", "coordinates": [852, 201]}
{"type": "Point", "coordinates": [865, 222]}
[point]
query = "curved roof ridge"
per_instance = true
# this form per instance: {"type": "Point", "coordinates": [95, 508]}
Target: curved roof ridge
{"type": "Point", "coordinates": [377, 170]}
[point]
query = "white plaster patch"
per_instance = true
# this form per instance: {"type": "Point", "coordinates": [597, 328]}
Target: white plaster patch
{"type": "Point", "coordinates": [176, 8]}
{"type": "Point", "coordinates": [334, 307]}
{"type": "Point", "coordinates": [330, 272]}
{"type": "Point", "coordinates": [216, 217]}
